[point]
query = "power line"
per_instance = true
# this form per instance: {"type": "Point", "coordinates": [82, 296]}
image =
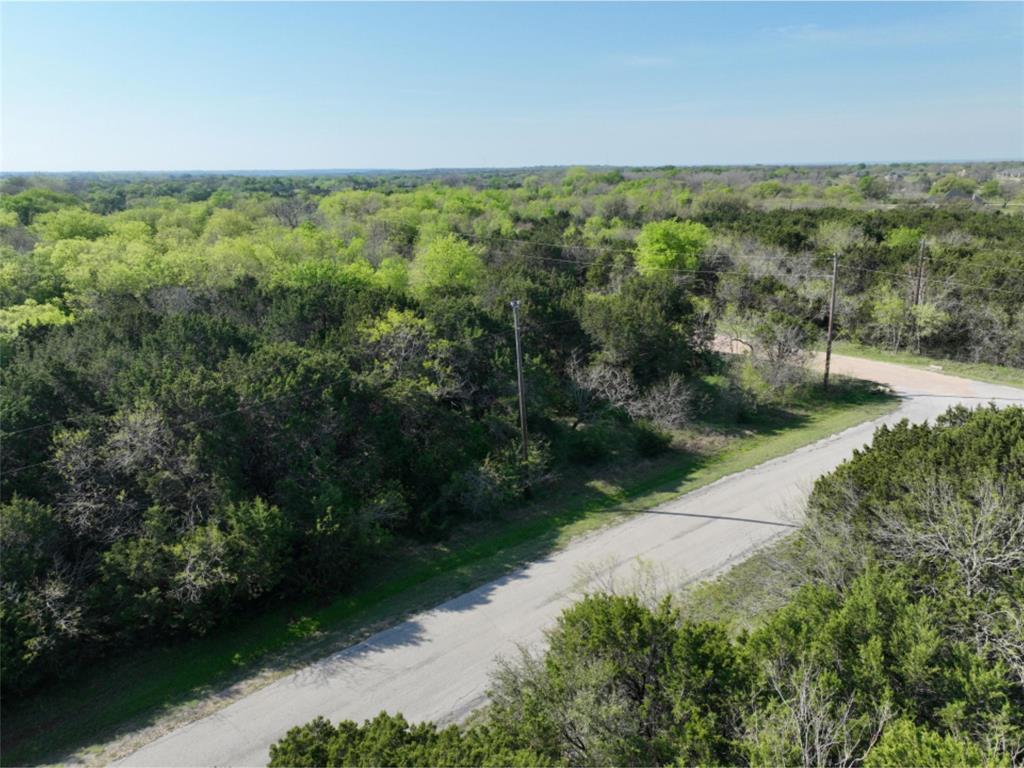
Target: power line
{"type": "Point", "coordinates": [577, 262]}
{"type": "Point", "coordinates": [571, 261]}
{"type": "Point", "coordinates": [674, 270]}
{"type": "Point", "coordinates": [189, 422]}
{"type": "Point", "coordinates": [502, 334]}
{"type": "Point", "coordinates": [629, 251]}
{"type": "Point", "coordinates": [945, 280]}
{"type": "Point", "coordinates": [763, 258]}
{"type": "Point", "coordinates": [80, 417]}
{"type": "Point", "coordinates": [212, 417]}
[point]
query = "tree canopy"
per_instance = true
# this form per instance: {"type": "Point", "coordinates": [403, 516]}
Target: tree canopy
{"type": "Point", "coordinates": [666, 246]}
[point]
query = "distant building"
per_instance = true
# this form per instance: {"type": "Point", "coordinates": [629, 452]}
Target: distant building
{"type": "Point", "coordinates": [958, 194]}
{"type": "Point", "coordinates": [1011, 174]}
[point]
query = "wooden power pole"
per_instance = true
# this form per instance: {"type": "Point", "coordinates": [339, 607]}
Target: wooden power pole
{"type": "Point", "coordinates": [920, 273]}
{"type": "Point", "coordinates": [831, 312]}
{"type": "Point", "coordinates": [519, 376]}
{"type": "Point", "coordinates": [917, 293]}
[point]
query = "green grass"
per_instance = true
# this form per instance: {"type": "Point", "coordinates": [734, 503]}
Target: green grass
{"type": "Point", "coordinates": [994, 374]}
{"type": "Point", "coordinates": [164, 685]}
{"type": "Point", "coordinates": [749, 591]}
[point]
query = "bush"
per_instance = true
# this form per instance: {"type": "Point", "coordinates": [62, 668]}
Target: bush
{"type": "Point", "coordinates": [667, 403]}
{"type": "Point", "coordinates": [650, 441]}
{"type": "Point", "coordinates": [905, 743]}
{"type": "Point", "coordinates": [591, 444]}
{"type": "Point", "coordinates": [500, 480]}
{"type": "Point", "coordinates": [389, 740]}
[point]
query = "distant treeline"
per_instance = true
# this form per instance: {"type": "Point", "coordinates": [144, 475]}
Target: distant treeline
{"type": "Point", "coordinates": [991, 182]}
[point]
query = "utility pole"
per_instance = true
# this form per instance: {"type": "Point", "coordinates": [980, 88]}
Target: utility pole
{"type": "Point", "coordinates": [519, 374]}
{"type": "Point", "coordinates": [920, 273]}
{"type": "Point", "coordinates": [831, 311]}
{"type": "Point", "coordinates": [917, 292]}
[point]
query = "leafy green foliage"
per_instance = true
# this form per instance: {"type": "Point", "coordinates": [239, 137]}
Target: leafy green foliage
{"type": "Point", "coordinates": [446, 263]}
{"type": "Point", "coordinates": [664, 246]}
{"type": "Point", "coordinates": [390, 740]}
{"type": "Point", "coordinates": [32, 202]}
{"type": "Point", "coordinates": [951, 183]}
{"type": "Point", "coordinates": [218, 391]}
{"type": "Point", "coordinates": [71, 224]}
{"type": "Point", "coordinates": [904, 238]}
{"type": "Point", "coordinates": [646, 325]}
{"type": "Point", "coordinates": [226, 398]}
{"type": "Point", "coordinates": [19, 316]}
{"type": "Point", "coordinates": [623, 684]}
{"type": "Point", "coordinates": [905, 743]}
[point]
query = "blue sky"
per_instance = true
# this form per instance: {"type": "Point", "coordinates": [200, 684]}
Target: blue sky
{"type": "Point", "coordinates": [172, 86]}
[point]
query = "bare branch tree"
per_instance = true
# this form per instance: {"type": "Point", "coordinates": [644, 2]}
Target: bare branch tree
{"type": "Point", "coordinates": [110, 477]}
{"type": "Point", "coordinates": [669, 403]}
{"type": "Point", "coordinates": [593, 385]}
{"type": "Point", "coordinates": [811, 723]}
{"type": "Point", "coordinates": [982, 536]}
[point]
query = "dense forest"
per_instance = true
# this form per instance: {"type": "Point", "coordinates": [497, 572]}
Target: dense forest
{"type": "Point", "coordinates": [221, 389]}
{"type": "Point", "coordinates": [901, 642]}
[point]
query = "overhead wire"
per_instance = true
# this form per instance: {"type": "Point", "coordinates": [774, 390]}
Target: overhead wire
{"type": "Point", "coordinates": [504, 333]}
{"type": "Point", "coordinates": [763, 258]}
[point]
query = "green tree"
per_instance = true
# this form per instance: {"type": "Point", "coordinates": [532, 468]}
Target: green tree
{"type": "Point", "coordinates": [69, 223]}
{"type": "Point", "coordinates": [892, 314]}
{"type": "Point", "coordinates": [32, 202]}
{"type": "Point", "coordinates": [766, 189]}
{"type": "Point", "coordinates": [873, 187]}
{"type": "Point", "coordinates": [41, 615]}
{"type": "Point", "coordinates": [446, 262]}
{"type": "Point", "coordinates": [952, 183]}
{"type": "Point", "coordinates": [991, 190]}
{"type": "Point", "coordinates": [664, 246]}
{"type": "Point", "coordinates": [929, 320]}
{"type": "Point", "coordinates": [390, 740]}
{"type": "Point", "coordinates": [19, 316]}
{"type": "Point", "coordinates": [835, 236]}
{"type": "Point", "coordinates": [904, 240]}
{"type": "Point", "coordinates": [624, 684]}
{"type": "Point", "coordinates": [905, 743]}
{"type": "Point", "coordinates": [645, 327]}
{"type": "Point", "coordinates": [393, 273]}
{"type": "Point", "coordinates": [160, 579]}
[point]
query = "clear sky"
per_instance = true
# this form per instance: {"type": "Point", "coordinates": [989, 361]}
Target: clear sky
{"type": "Point", "coordinates": [173, 86]}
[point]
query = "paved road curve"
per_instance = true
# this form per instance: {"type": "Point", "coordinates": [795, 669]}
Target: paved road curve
{"type": "Point", "coordinates": [436, 665]}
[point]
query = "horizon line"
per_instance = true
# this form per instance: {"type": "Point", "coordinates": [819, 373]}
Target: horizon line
{"type": "Point", "coordinates": [468, 168]}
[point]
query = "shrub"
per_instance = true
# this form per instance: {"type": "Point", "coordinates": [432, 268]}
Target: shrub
{"type": "Point", "coordinates": [590, 445]}
{"type": "Point", "coordinates": [500, 480]}
{"type": "Point", "coordinates": [905, 743]}
{"type": "Point", "coordinates": [649, 440]}
{"type": "Point", "coordinates": [390, 740]}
